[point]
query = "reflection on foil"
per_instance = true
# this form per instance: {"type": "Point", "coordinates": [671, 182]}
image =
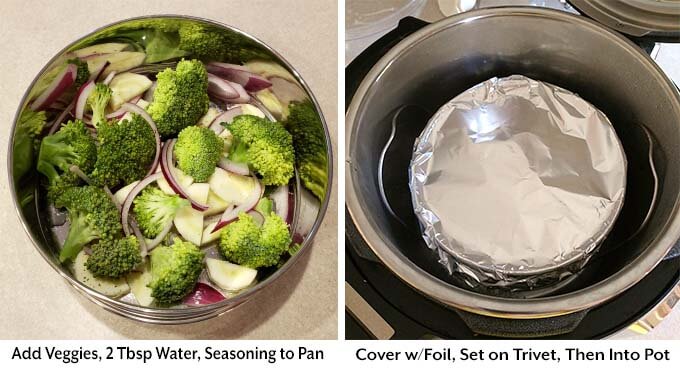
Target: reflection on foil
{"type": "Point", "coordinates": [516, 182]}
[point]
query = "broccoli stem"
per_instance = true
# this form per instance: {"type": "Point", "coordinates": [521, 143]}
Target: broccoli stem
{"type": "Point", "coordinates": [239, 152]}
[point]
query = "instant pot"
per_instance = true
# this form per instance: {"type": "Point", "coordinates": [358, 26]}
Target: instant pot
{"type": "Point", "coordinates": [395, 288]}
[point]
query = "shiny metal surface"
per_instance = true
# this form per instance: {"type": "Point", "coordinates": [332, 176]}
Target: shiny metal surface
{"type": "Point", "coordinates": [659, 18]}
{"type": "Point", "coordinates": [30, 205]}
{"type": "Point", "coordinates": [655, 316]}
{"type": "Point", "coordinates": [516, 182]}
{"type": "Point", "coordinates": [449, 56]}
{"type": "Point", "coordinates": [364, 313]}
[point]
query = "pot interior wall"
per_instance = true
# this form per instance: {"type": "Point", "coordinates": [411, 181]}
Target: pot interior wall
{"type": "Point", "coordinates": [574, 55]}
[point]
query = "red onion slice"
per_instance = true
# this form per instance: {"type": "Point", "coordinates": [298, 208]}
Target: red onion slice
{"type": "Point", "coordinates": [109, 77]}
{"type": "Point", "coordinates": [131, 196]}
{"type": "Point", "coordinates": [60, 84]}
{"type": "Point", "coordinates": [222, 68]}
{"type": "Point", "coordinates": [239, 168]}
{"type": "Point", "coordinates": [220, 88]}
{"type": "Point", "coordinates": [166, 168]}
{"type": "Point", "coordinates": [60, 119]}
{"type": "Point", "coordinates": [231, 213]}
{"type": "Point", "coordinates": [240, 75]}
{"type": "Point", "coordinates": [203, 294]}
{"type": "Point", "coordinates": [228, 116]}
{"type": "Point", "coordinates": [137, 109]}
{"type": "Point", "coordinates": [243, 96]}
{"type": "Point", "coordinates": [81, 98]}
{"type": "Point", "coordinates": [97, 72]}
{"type": "Point", "coordinates": [282, 205]}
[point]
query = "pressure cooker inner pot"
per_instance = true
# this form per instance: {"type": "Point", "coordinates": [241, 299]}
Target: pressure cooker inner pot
{"type": "Point", "coordinates": [576, 55]}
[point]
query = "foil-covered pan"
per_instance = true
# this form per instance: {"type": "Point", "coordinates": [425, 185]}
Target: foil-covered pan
{"type": "Point", "coordinates": [516, 182]}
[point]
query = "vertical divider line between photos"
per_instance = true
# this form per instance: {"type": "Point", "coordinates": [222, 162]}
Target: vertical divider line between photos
{"type": "Point", "coordinates": [341, 169]}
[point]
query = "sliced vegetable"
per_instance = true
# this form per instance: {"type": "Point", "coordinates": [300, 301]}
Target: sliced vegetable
{"type": "Point", "coordinates": [272, 103]}
{"type": "Point", "coordinates": [252, 110]}
{"type": "Point", "coordinates": [184, 180]}
{"type": "Point", "coordinates": [138, 281]}
{"type": "Point", "coordinates": [231, 213]}
{"type": "Point", "coordinates": [121, 195]}
{"type": "Point", "coordinates": [148, 95]}
{"type": "Point", "coordinates": [81, 98]}
{"type": "Point", "coordinates": [257, 217]}
{"type": "Point", "coordinates": [233, 188]}
{"type": "Point", "coordinates": [239, 74]}
{"type": "Point", "coordinates": [203, 294]}
{"type": "Point", "coordinates": [239, 168]}
{"type": "Point", "coordinates": [269, 70]}
{"type": "Point", "coordinates": [60, 119]}
{"type": "Point", "coordinates": [61, 83]}
{"type": "Point", "coordinates": [243, 96]}
{"type": "Point", "coordinates": [225, 117]}
{"type": "Point", "coordinates": [120, 61]}
{"type": "Point", "coordinates": [215, 204]}
{"type": "Point", "coordinates": [287, 92]}
{"type": "Point", "coordinates": [209, 234]}
{"type": "Point", "coordinates": [109, 77]}
{"type": "Point", "coordinates": [127, 86]}
{"type": "Point", "coordinates": [282, 203]}
{"type": "Point", "coordinates": [208, 118]}
{"type": "Point", "coordinates": [189, 221]}
{"type": "Point", "coordinates": [168, 173]}
{"type": "Point", "coordinates": [99, 49]}
{"type": "Point", "coordinates": [221, 89]}
{"type": "Point", "coordinates": [228, 276]}
{"type": "Point", "coordinates": [108, 287]}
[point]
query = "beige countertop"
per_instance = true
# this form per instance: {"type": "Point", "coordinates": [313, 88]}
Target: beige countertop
{"type": "Point", "coordinates": [37, 303]}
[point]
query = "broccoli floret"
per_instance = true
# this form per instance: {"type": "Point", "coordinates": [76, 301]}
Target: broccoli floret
{"type": "Point", "coordinates": [265, 146]}
{"type": "Point", "coordinates": [247, 244]}
{"type": "Point", "coordinates": [154, 210]}
{"type": "Point", "coordinates": [98, 100]}
{"type": "Point", "coordinates": [29, 126]}
{"type": "Point", "coordinates": [82, 74]}
{"type": "Point", "coordinates": [309, 140]}
{"type": "Point", "coordinates": [92, 215]}
{"type": "Point", "coordinates": [71, 145]}
{"type": "Point", "coordinates": [174, 271]}
{"type": "Point", "coordinates": [126, 151]}
{"type": "Point", "coordinates": [180, 98]}
{"type": "Point", "coordinates": [114, 258]}
{"type": "Point", "coordinates": [202, 42]}
{"type": "Point", "coordinates": [198, 150]}
{"type": "Point", "coordinates": [166, 39]}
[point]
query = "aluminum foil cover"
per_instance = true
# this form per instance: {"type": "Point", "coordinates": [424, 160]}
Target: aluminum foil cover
{"type": "Point", "coordinates": [516, 181]}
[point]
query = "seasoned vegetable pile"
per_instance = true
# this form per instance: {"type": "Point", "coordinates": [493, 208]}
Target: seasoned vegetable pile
{"type": "Point", "coordinates": [175, 170]}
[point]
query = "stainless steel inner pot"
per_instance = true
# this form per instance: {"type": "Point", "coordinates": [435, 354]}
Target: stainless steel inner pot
{"type": "Point", "coordinates": [444, 59]}
{"type": "Point", "coordinates": [31, 207]}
